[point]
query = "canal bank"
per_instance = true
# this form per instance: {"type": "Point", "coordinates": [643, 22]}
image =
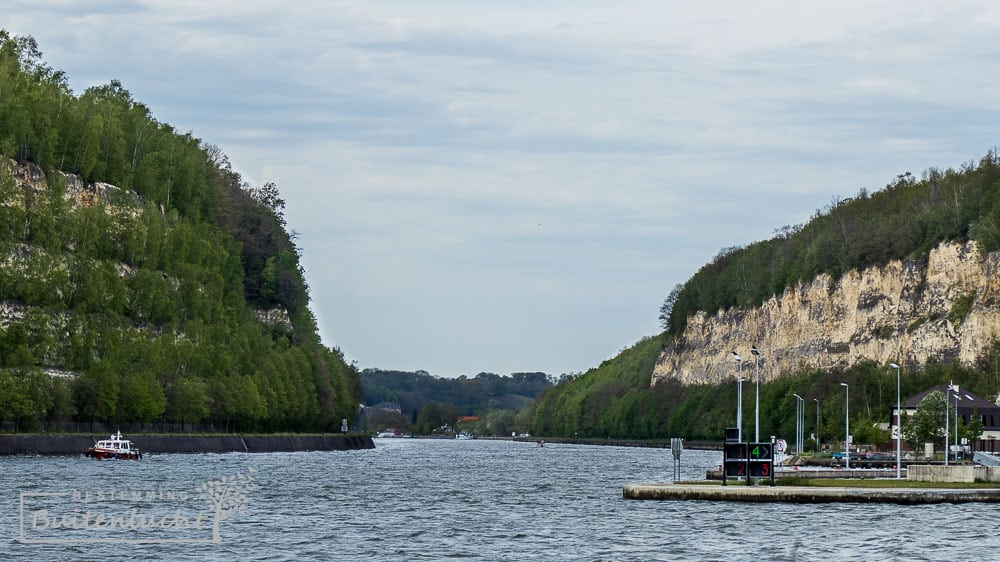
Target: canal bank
{"type": "Point", "coordinates": [76, 444]}
{"type": "Point", "coordinates": [809, 494]}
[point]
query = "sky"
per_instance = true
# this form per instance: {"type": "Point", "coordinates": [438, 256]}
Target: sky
{"type": "Point", "coordinates": [514, 186]}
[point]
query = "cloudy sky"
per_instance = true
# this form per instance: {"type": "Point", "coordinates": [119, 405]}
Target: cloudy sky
{"type": "Point", "coordinates": [517, 185]}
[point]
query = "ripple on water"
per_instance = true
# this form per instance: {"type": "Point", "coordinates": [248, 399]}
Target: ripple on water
{"type": "Point", "coordinates": [489, 500]}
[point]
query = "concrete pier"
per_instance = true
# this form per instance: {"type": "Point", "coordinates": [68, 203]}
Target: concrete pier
{"type": "Point", "coordinates": [808, 494]}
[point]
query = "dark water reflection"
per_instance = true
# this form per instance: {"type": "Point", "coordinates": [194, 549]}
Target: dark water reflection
{"type": "Point", "coordinates": [471, 500]}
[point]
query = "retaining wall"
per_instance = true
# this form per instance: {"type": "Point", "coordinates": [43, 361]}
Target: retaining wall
{"type": "Point", "coordinates": [78, 444]}
{"type": "Point", "coordinates": [962, 473]}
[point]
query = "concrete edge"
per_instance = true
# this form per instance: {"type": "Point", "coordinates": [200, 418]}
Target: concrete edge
{"type": "Point", "coordinates": [808, 494]}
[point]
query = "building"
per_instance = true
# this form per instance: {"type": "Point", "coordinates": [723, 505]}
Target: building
{"type": "Point", "coordinates": [969, 404]}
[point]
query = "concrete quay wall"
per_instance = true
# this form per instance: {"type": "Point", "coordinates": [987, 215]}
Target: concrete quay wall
{"type": "Point", "coordinates": [807, 494]}
{"type": "Point", "coordinates": [45, 444]}
{"type": "Point", "coordinates": [960, 473]}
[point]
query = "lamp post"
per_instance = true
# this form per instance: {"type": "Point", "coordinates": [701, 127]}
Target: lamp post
{"type": "Point", "coordinates": [954, 388]}
{"type": "Point", "coordinates": [756, 407]}
{"type": "Point", "coordinates": [946, 418]}
{"type": "Point", "coordinates": [847, 424]}
{"type": "Point", "coordinates": [816, 400]}
{"type": "Point", "coordinates": [799, 407]}
{"type": "Point", "coordinates": [899, 426]}
{"type": "Point", "coordinates": [739, 396]}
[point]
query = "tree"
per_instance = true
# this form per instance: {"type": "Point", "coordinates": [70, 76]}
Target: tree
{"type": "Point", "coordinates": [667, 308]}
{"type": "Point", "coordinates": [927, 423]}
{"type": "Point", "coordinates": [96, 392]}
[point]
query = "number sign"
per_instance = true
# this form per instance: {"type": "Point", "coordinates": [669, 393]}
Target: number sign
{"type": "Point", "coordinates": [761, 460]}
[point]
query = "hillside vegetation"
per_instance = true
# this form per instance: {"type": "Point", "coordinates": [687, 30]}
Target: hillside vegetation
{"type": "Point", "coordinates": [426, 403]}
{"type": "Point", "coordinates": [903, 221]}
{"type": "Point", "coordinates": [143, 271]}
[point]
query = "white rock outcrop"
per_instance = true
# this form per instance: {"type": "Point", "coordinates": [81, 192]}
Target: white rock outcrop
{"type": "Point", "coordinates": [903, 312]}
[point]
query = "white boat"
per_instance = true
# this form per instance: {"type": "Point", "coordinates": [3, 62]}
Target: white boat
{"type": "Point", "coordinates": [464, 435]}
{"type": "Point", "coordinates": [114, 447]}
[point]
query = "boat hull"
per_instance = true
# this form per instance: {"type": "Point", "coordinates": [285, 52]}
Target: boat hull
{"type": "Point", "coordinates": [100, 455]}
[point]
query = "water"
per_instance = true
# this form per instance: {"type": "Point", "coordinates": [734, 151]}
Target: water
{"type": "Point", "coordinates": [454, 500]}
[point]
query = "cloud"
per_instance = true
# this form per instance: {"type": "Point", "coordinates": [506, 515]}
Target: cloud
{"type": "Point", "coordinates": [500, 186]}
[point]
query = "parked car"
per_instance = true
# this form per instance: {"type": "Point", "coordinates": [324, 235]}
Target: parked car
{"type": "Point", "coordinates": [879, 457]}
{"type": "Point", "coordinates": [840, 455]}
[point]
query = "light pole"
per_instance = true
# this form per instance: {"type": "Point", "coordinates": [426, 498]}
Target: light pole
{"type": "Point", "coordinates": [739, 396]}
{"type": "Point", "coordinates": [756, 407]}
{"type": "Point", "coordinates": [946, 418]}
{"type": "Point", "coordinates": [817, 424]}
{"type": "Point", "coordinates": [799, 408]}
{"type": "Point", "coordinates": [847, 425]}
{"type": "Point", "coordinates": [954, 388]}
{"type": "Point", "coordinates": [899, 426]}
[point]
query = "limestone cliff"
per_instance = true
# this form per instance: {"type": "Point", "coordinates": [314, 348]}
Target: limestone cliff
{"type": "Point", "coordinates": [904, 312]}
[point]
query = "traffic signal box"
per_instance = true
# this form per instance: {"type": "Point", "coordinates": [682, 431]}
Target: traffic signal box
{"type": "Point", "coordinates": [746, 460]}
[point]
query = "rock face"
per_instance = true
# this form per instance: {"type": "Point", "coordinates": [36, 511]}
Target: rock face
{"type": "Point", "coordinates": [904, 312]}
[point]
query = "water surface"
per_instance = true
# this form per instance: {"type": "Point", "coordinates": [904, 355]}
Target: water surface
{"type": "Point", "coordinates": [448, 499]}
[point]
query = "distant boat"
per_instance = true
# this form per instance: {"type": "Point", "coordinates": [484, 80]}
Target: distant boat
{"type": "Point", "coordinates": [114, 447]}
{"type": "Point", "coordinates": [385, 434]}
{"type": "Point", "coordinates": [464, 435]}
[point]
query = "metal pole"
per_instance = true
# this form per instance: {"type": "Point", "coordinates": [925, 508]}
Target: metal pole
{"type": "Point", "coordinates": [756, 409]}
{"type": "Point", "coordinates": [847, 424]}
{"type": "Point", "coordinates": [946, 400]}
{"type": "Point", "coordinates": [899, 426]}
{"type": "Point", "coordinates": [957, 398]}
{"type": "Point", "coordinates": [739, 396]}
{"type": "Point", "coordinates": [798, 423]}
{"type": "Point", "coordinates": [817, 424]}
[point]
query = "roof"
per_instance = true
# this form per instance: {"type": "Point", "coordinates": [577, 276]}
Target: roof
{"type": "Point", "coordinates": [966, 399]}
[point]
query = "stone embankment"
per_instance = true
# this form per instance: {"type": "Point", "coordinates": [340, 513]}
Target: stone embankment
{"type": "Point", "coordinates": [44, 444]}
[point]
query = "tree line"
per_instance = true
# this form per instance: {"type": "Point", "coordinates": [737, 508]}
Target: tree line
{"type": "Point", "coordinates": [144, 299]}
{"type": "Point", "coordinates": [426, 402]}
{"type": "Point", "coordinates": [616, 400]}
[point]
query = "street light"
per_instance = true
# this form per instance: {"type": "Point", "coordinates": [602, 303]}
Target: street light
{"type": "Point", "coordinates": [816, 400]}
{"type": "Point", "coordinates": [847, 425]}
{"type": "Point", "coordinates": [947, 399]}
{"type": "Point", "coordinates": [899, 426]}
{"type": "Point", "coordinates": [739, 397]}
{"type": "Point", "coordinates": [756, 407]}
{"type": "Point", "coordinates": [799, 407]}
{"type": "Point", "coordinates": [954, 388]}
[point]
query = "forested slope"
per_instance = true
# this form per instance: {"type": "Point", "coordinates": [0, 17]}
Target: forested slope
{"type": "Point", "coordinates": [143, 279]}
{"type": "Point", "coordinates": [903, 221]}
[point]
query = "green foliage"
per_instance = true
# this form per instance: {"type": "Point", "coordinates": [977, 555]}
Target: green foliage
{"type": "Point", "coordinates": [615, 400]}
{"type": "Point", "coordinates": [612, 400]}
{"type": "Point", "coordinates": [462, 396]}
{"type": "Point", "coordinates": [916, 324]}
{"type": "Point", "coordinates": [926, 425]}
{"type": "Point", "coordinates": [903, 221]}
{"type": "Point", "coordinates": [960, 308]}
{"type": "Point", "coordinates": [147, 288]}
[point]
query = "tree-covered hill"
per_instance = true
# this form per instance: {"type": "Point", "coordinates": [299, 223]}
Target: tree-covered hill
{"type": "Point", "coordinates": [426, 402]}
{"type": "Point", "coordinates": [144, 281]}
{"type": "Point", "coordinates": [903, 221]}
